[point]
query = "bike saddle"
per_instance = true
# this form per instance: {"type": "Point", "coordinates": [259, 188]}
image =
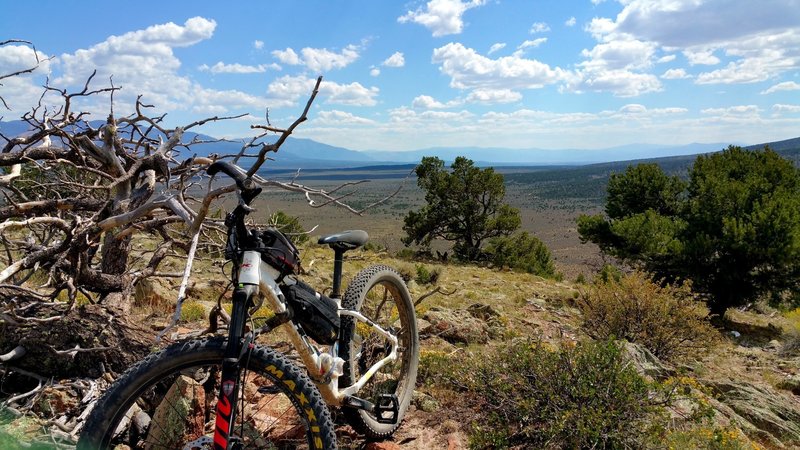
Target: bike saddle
{"type": "Point", "coordinates": [345, 240]}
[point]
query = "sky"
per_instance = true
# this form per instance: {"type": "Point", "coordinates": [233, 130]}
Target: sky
{"type": "Point", "coordinates": [549, 74]}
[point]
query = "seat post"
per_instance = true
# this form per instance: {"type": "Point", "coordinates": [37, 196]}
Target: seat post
{"type": "Point", "coordinates": [338, 262]}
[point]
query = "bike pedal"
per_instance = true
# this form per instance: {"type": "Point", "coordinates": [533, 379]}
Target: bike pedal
{"type": "Point", "coordinates": [386, 409]}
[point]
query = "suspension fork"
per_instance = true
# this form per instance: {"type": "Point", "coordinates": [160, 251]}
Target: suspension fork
{"type": "Point", "coordinates": [235, 349]}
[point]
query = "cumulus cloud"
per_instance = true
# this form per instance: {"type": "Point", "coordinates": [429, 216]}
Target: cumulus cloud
{"type": "Point", "coordinates": [287, 56]}
{"type": "Point", "coordinates": [469, 70]}
{"type": "Point", "coordinates": [287, 90]}
{"type": "Point", "coordinates": [616, 66]}
{"type": "Point", "coordinates": [571, 22]}
{"type": "Point", "coordinates": [701, 56]}
{"type": "Point", "coordinates": [396, 60]}
{"type": "Point", "coordinates": [785, 86]}
{"type": "Point", "coordinates": [493, 96]}
{"type": "Point", "coordinates": [19, 91]}
{"type": "Point", "coordinates": [221, 67]}
{"type": "Point", "coordinates": [760, 38]}
{"type": "Point", "coordinates": [539, 27]}
{"type": "Point", "coordinates": [318, 59]}
{"type": "Point", "coordinates": [666, 59]}
{"type": "Point", "coordinates": [258, 45]}
{"type": "Point", "coordinates": [428, 102]}
{"type": "Point", "coordinates": [442, 17]}
{"type": "Point", "coordinates": [675, 74]}
{"type": "Point", "coordinates": [374, 71]}
{"type": "Point", "coordinates": [143, 62]}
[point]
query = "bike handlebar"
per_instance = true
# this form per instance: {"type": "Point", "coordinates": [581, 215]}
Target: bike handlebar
{"type": "Point", "coordinates": [246, 186]}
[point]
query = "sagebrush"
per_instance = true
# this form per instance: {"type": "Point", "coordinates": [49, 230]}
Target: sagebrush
{"type": "Point", "coordinates": [667, 320]}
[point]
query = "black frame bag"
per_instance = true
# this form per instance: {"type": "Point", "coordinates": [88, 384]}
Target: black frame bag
{"type": "Point", "coordinates": [279, 252]}
{"type": "Point", "coordinates": [316, 313]}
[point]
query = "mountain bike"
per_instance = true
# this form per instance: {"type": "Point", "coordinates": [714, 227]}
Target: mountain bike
{"type": "Point", "coordinates": [360, 353]}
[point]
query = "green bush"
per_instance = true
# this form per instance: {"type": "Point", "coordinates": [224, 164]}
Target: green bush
{"type": "Point", "coordinates": [668, 321]}
{"type": "Point", "coordinates": [585, 396]}
{"type": "Point", "coordinates": [427, 276]}
{"type": "Point", "coordinates": [522, 252]}
{"type": "Point", "coordinates": [290, 226]}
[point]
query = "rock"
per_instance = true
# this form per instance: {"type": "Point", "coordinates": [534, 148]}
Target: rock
{"type": "Point", "coordinates": [153, 293]}
{"type": "Point", "coordinates": [791, 384]}
{"type": "Point", "coordinates": [180, 414]}
{"type": "Point", "coordinates": [483, 312]}
{"type": "Point", "coordinates": [455, 326]}
{"type": "Point", "coordinates": [755, 329]}
{"type": "Point", "coordinates": [424, 402]}
{"type": "Point", "coordinates": [646, 363]}
{"type": "Point", "coordinates": [776, 417]}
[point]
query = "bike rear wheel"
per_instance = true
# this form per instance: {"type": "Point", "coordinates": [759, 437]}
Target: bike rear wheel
{"type": "Point", "coordinates": [380, 294]}
{"type": "Point", "coordinates": [168, 401]}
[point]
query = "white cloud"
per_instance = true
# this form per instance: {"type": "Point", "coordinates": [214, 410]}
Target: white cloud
{"type": "Point", "coordinates": [143, 62]}
{"type": "Point", "coordinates": [318, 59]}
{"type": "Point", "coordinates": [532, 43]}
{"type": "Point", "coordinates": [287, 90]}
{"type": "Point", "coordinates": [496, 47]}
{"type": "Point", "coordinates": [539, 27]}
{"type": "Point", "coordinates": [622, 83]}
{"type": "Point", "coordinates": [785, 86]}
{"type": "Point", "coordinates": [742, 71]}
{"type": "Point", "coordinates": [287, 56]}
{"type": "Point", "coordinates": [210, 101]}
{"type": "Point", "coordinates": [493, 96]}
{"type": "Point", "coordinates": [781, 108]}
{"type": "Point", "coordinates": [428, 102]}
{"type": "Point", "coordinates": [701, 57]}
{"type": "Point", "coordinates": [616, 66]}
{"type": "Point", "coordinates": [620, 54]}
{"type": "Point", "coordinates": [675, 74]}
{"type": "Point", "coordinates": [221, 67]}
{"type": "Point", "coordinates": [761, 38]}
{"type": "Point", "coordinates": [258, 45]}
{"type": "Point", "coordinates": [396, 60]}
{"type": "Point", "coordinates": [19, 91]}
{"type": "Point", "coordinates": [374, 71]}
{"type": "Point", "coordinates": [339, 118]}
{"type": "Point", "coordinates": [442, 17]}
{"type": "Point", "coordinates": [408, 116]}
{"type": "Point", "coordinates": [666, 59]}
{"type": "Point", "coordinates": [740, 110]}
{"type": "Point", "coordinates": [469, 70]}
{"type": "Point", "coordinates": [571, 22]}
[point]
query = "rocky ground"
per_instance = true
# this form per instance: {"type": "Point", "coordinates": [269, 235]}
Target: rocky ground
{"type": "Point", "coordinates": [749, 381]}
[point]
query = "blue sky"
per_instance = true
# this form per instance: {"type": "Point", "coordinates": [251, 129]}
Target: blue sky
{"type": "Point", "coordinates": [409, 75]}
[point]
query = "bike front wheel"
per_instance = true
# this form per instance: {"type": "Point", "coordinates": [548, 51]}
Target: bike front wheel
{"type": "Point", "coordinates": [169, 400]}
{"type": "Point", "coordinates": [379, 293]}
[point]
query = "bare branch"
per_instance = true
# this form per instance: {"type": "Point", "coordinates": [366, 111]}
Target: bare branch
{"type": "Point", "coordinates": [17, 353]}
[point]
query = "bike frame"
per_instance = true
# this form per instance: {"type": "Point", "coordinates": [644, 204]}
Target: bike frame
{"type": "Point", "coordinates": [255, 272]}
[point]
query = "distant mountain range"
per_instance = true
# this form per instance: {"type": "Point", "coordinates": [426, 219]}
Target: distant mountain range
{"type": "Point", "coordinates": [309, 154]}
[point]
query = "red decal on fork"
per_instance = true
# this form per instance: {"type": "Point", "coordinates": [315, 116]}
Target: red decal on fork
{"type": "Point", "coordinates": [222, 426]}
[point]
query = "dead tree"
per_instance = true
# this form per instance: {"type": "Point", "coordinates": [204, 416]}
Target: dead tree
{"type": "Point", "coordinates": [75, 194]}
